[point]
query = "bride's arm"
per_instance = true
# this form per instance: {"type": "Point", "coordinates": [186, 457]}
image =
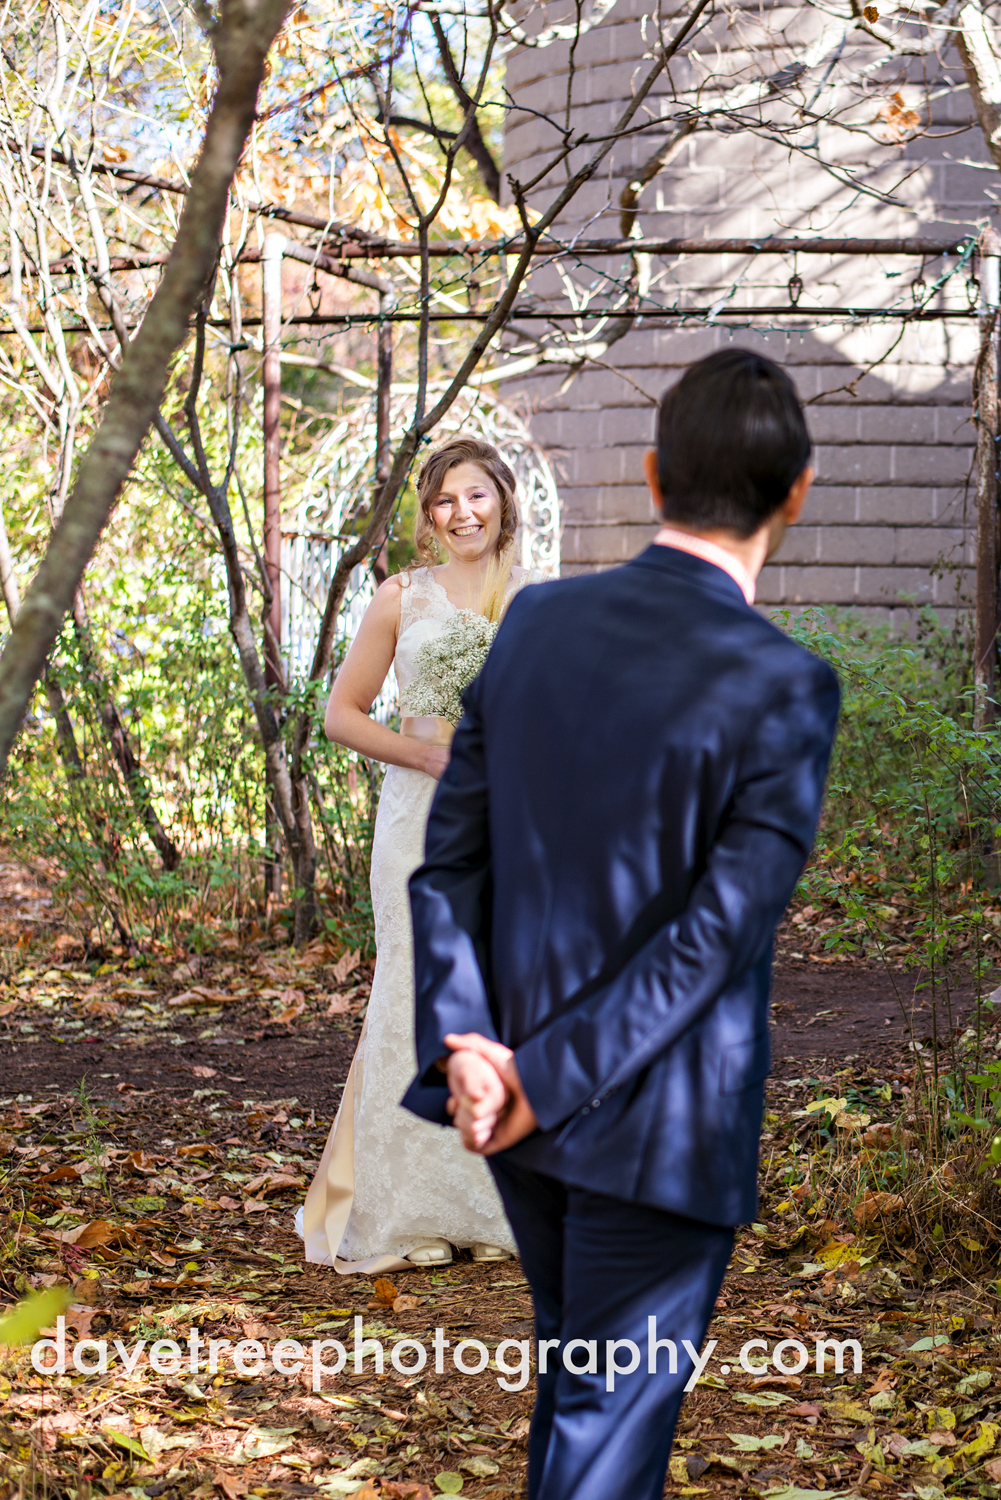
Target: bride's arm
{"type": "Point", "coordinates": [357, 685]}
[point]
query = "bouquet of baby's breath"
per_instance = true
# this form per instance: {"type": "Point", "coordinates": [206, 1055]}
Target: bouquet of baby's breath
{"type": "Point", "coordinates": [448, 663]}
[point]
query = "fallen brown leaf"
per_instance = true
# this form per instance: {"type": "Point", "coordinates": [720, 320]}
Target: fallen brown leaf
{"type": "Point", "coordinates": [405, 1302]}
{"type": "Point", "coordinates": [231, 1485]}
{"type": "Point", "coordinates": [98, 1007]}
{"type": "Point", "coordinates": [345, 965]}
{"type": "Point", "coordinates": [48, 1429]}
{"type": "Point", "coordinates": [8, 1008]}
{"type": "Point", "coordinates": [86, 1236]}
{"type": "Point", "coordinates": [272, 1182]}
{"type": "Point", "coordinates": [142, 1161]}
{"type": "Point", "coordinates": [98, 1232]}
{"type": "Point", "coordinates": [33, 1401]}
{"type": "Point", "coordinates": [80, 1317]}
{"type": "Point", "coordinates": [385, 1291]}
{"type": "Point", "coordinates": [318, 952]}
{"type": "Point", "coordinates": [255, 1329]}
{"type": "Point", "coordinates": [199, 995]}
{"type": "Point", "coordinates": [203, 1072]}
{"type": "Point", "coordinates": [873, 1206]}
{"type": "Point", "coordinates": [294, 1002]}
{"type": "Point", "coordinates": [804, 1409]}
{"type": "Point", "coordinates": [64, 1174]}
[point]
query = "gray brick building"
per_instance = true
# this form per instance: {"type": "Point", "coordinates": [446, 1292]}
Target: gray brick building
{"type": "Point", "coordinates": [888, 525]}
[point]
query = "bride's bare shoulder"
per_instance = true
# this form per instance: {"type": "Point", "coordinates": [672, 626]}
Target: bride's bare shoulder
{"type": "Point", "coordinates": [385, 605]}
{"type": "Point", "coordinates": [410, 577]}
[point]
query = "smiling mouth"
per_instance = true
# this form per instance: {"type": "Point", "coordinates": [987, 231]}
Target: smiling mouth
{"type": "Point", "coordinates": [466, 530]}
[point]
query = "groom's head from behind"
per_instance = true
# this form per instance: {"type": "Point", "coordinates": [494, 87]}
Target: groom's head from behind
{"type": "Point", "coordinates": [733, 452]}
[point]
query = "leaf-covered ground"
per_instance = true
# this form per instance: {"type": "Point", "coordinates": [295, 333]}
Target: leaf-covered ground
{"type": "Point", "coordinates": [164, 1200]}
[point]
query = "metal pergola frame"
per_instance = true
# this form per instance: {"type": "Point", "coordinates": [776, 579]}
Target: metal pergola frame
{"type": "Point", "coordinates": [341, 247]}
{"type": "Point", "coordinates": [333, 258]}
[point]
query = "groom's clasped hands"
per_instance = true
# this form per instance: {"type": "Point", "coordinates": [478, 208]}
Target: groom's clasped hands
{"type": "Point", "coordinates": [487, 1104]}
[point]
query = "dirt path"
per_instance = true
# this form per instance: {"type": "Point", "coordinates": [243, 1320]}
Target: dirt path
{"type": "Point", "coordinates": [54, 1034]}
{"type": "Point", "coordinates": [846, 1012]}
{"type": "Point", "coordinates": [159, 1122]}
{"type": "Point", "coordinates": [119, 1024]}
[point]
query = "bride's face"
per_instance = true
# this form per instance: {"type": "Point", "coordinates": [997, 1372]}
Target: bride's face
{"type": "Point", "coordinates": [467, 513]}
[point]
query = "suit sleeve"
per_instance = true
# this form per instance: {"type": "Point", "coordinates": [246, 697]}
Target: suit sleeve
{"type": "Point", "coordinates": [450, 902]}
{"type": "Point", "coordinates": [590, 1048]}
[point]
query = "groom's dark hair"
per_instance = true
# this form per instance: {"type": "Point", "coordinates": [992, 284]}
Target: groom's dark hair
{"type": "Point", "coordinates": [731, 441]}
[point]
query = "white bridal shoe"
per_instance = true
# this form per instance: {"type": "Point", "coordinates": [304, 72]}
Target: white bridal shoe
{"type": "Point", "coordinates": [433, 1253]}
{"type": "Point", "coordinates": [489, 1252]}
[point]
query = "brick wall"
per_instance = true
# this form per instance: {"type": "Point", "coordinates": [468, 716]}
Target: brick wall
{"type": "Point", "coordinates": [887, 524]}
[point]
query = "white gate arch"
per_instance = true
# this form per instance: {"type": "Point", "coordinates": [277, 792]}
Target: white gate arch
{"type": "Point", "coordinates": [338, 489]}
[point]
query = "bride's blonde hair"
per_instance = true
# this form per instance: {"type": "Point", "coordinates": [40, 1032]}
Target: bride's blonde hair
{"type": "Point", "coordinates": [431, 480]}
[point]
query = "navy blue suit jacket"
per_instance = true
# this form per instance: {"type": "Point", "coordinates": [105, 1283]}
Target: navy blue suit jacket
{"type": "Point", "coordinates": [632, 795]}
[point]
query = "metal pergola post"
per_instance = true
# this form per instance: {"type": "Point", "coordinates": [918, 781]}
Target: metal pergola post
{"type": "Point", "coordinates": [986, 416]}
{"type": "Point", "coordinates": [271, 312]}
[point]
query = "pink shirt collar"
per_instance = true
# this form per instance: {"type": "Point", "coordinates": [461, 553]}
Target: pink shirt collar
{"type": "Point", "coordinates": [698, 546]}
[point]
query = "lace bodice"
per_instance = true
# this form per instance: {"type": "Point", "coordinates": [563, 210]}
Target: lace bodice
{"type": "Point", "coordinates": [425, 610]}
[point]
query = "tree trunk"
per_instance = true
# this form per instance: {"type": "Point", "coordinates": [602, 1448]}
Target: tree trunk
{"type": "Point", "coordinates": [977, 43]}
{"type": "Point", "coordinates": [121, 745]}
{"type": "Point", "coordinates": [303, 863]}
{"type": "Point", "coordinates": [65, 737]}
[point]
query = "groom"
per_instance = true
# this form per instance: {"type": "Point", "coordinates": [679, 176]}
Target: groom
{"type": "Point", "coordinates": [631, 797]}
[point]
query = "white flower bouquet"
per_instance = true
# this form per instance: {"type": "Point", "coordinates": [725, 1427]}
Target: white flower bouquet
{"type": "Point", "coordinates": [447, 664]}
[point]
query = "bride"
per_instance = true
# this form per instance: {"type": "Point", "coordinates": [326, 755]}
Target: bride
{"type": "Point", "coordinates": [392, 1190]}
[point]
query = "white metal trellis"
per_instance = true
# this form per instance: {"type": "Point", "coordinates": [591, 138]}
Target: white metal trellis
{"type": "Point", "coordinates": [339, 487]}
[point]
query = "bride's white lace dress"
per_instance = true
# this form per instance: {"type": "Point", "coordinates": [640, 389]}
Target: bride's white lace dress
{"type": "Point", "coordinates": [388, 1181]}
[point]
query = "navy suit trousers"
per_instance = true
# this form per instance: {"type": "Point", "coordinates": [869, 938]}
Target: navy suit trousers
{"type": "Point", "coordinates": [600, 1269]}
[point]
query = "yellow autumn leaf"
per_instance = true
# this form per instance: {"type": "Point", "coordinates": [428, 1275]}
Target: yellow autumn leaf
{"type": "Point", "coordinates": [982, 1445]}
{"type": "Point", "coordinates": [834, 1254]}
{"type": "Point", "coordinates": [832, 1106]}
{"type": "Point", "coordinates": [26, 1319]}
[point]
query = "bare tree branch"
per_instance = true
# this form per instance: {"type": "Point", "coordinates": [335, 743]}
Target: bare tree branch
{"type": "Point", "coordinates": [473, 137]}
